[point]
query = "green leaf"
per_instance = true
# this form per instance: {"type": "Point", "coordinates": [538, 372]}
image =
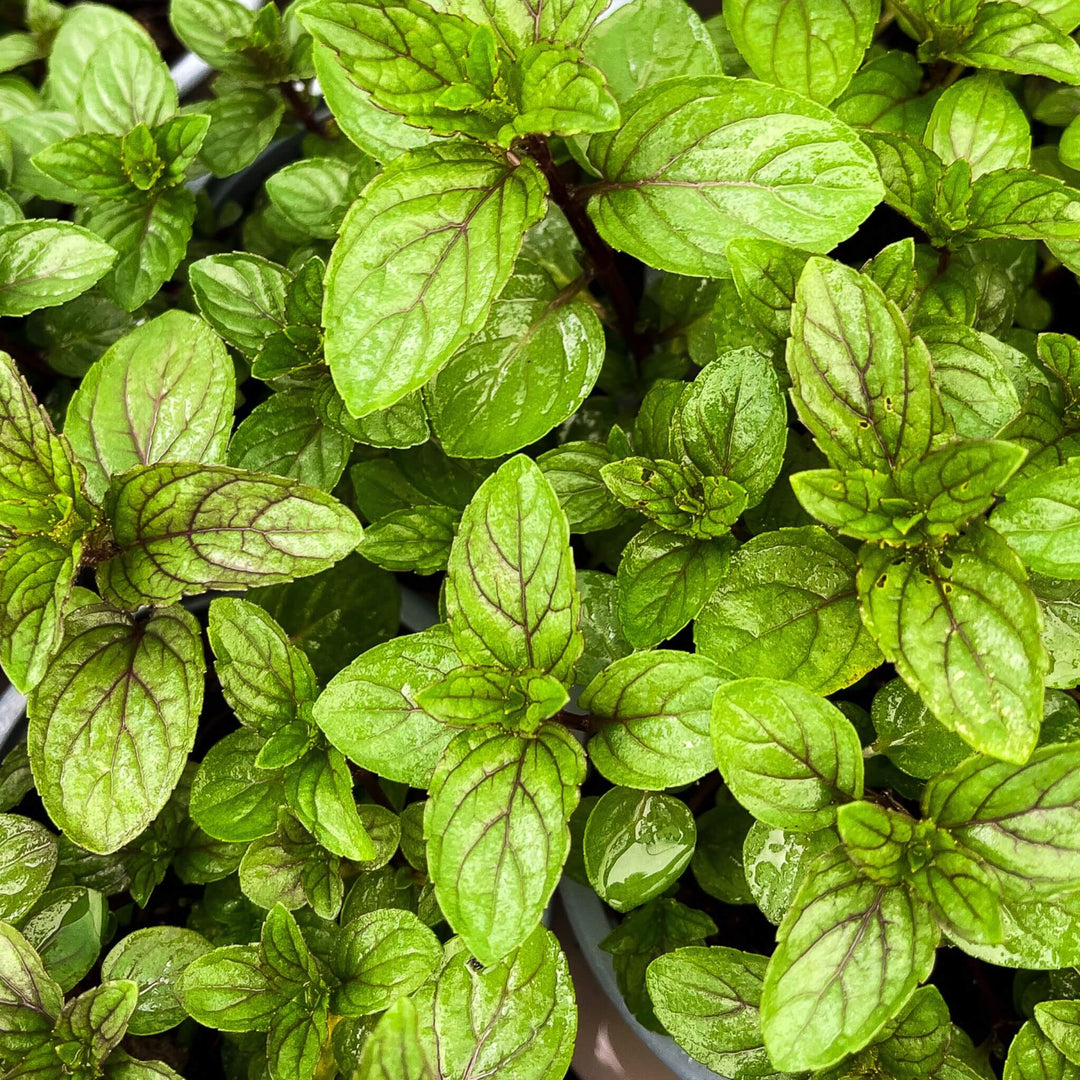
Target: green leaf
{"type": "Point", "coordinates": [314, 193]}
{"type": "Point", "coordinates": [155, 959]}
{"type": "Point", "coordinates": [717, 864]}
{"type": "Point", "coordinates": [510, 595]}
{"type": "Point", "coordinates": [27, 860]}
{"type": "Point", "coordinates": [151, 237]}
{"type": "Point", "coordinates": [125, 83]}
{"type": "Point", "coordinates": [651, 713]}
{"type": "Point", "coordinates": [1021, 821]}
{"type": "Point", "coordinates": [732, 421]}
{"type": "Point", "coordinates": [860, 503]}
{"type": "Point", "coordinates": [380, 957]}
{"type": "Point", "coordinates": [1022, 204]}
{"type": "Point", "coordinates": [418, 539]}
{"type": "Point", "coordinates": [163, 392]}
{"type": "Point", "coordinates": [242, 123]}
{"type": "Point", "coordinates": [677, 497]}
{"type": "Point", "coordinates": [944, 620]}
{"type": "Point", "coordinates": [557, 92]}
{"type": "Point", "coordinates": [876, 840]}
{"type": "Point", "coordinates": [210, 29]}
{"type": "Point", "coordinates": [849, 955]}
{"type": "Point", "coordinates": [776, 861]}
{"type": "Point", "coordinates": [491, 695]}
{"type": "Point", "coordinates": [66, 928]}
{"type": "Point", "coordinates": [789, 756]}
{"type": "Point", "coordinates": [36, 578]}
{"type": "Point", "coordinates": [766, 273]}
{"type": "Point", "coordinates": [648, 41]}
{"type": "Point", "coordinates": [1060, 1021]}
{"type": "Point", "coordinates": [30, 1001]}
{"type": "Point", "coordinates": [528, 369]}
{"type": "Point", "coordinates": [884, 95]}
{"type": "Point", "coordinates": [573, 470]}
{"type": "Point", "coordinates": [394, 298]}
{"type": "Point", "coordinates": [96, 1020]}
{"type": "Point", "coordinates": [231, 797]}
{"type": "Point", "coordinates": [229, 990]}
{"type": "Point", "coordinates": [605, 641]}
{"type": "Point", "coordinates": [909, 734]}
{"type": "Point", "coordinates": [636, 845]}
{"type": "Point", "coordinates": [496, 824]}
{"type": "Point", "coordinates": [964, 897]}
{"type": "Point", "coordinates": [265, 679]}
{"type": "Point", "coordinates": [708, 1000]}
{"type": "Point", "coordinates": [1015, 37]}
{"type": "Point", "coordinates": [242, 297]}
{"type": "Point", "coordinates": [46, 263]}
{"type": "Point", "coordinates": [319, 789]}
{"type": "Point", "coordinates": [1032, 1056]}
{"type": "Point", "coordinates": [862, 383]}
{"type": "Point", "coordinates": [913, 176]}
{"type": "Point", "coordinates": [115, 713]}
{"type": "Point", "coordinates": [664, 581]}
{"type": "Point", "coordinates": [370, 712]}
{"type": "Point", "coordinates": [788, 609]}
{"type": "Point", "coordinates": [978, 119]}
{"type": "Point", "coordinates": [812, 47]}
{"type": "Point", "coordinates": [1040, 519]}
{"type": "Point", "coordinates": [184, 528]}
{"type": "Point", "coordinates": [1059, 602]}
{"type": "Point", "coordinates": [285, 436]}
{"type": "Point", "coordinates": [682, 155]}
{"type": "Point", "coordinates": [1060, 353]}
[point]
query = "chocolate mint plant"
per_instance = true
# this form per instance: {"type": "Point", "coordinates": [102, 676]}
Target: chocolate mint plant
{"type": "Point", "coordinates": [468, 447]}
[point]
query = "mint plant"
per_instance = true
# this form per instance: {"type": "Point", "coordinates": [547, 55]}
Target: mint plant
{"type": "Point", "coordinates": [467, 458]}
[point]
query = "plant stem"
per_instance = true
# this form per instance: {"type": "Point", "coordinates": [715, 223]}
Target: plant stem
{"type": "Point", "coordinates": [601, 255]}
{"type": "Point", "coordinates": [301, 107]}
{"type": "Point", "coordinates": [578, 721]}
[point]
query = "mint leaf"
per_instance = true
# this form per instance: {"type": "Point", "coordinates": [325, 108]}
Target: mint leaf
{"type": "Point", "coordinates": [379, 957]}
{"type": "Point", "coordinates": [228, 989]}
{"type": "Point", "coordinates": [849, 955]}
{"type": "Point", "coordinates": [116, 711]}
{"type": "Point", "coordinates": [286, 436]}
{"type": "Point", "coordinates": [510, 594]}
{"type": "Point", "coordinates": [862, 383]}
{"type": "Point", "coordinates": [183, 529]}
{"type": "Point", "coordinates": [935, 615]}
{"type": "Point", "coordinates": [30, 1001]}
{"type": "Point", "coordinates": [775, 862]}
{"type": "Point", "coordinates": [884, 95]}
{"type": "Point", "coordinates": [664, 581]}
{"type": "Point", "coordinates": [46, 263]}
{"type": "Point", "coordinates": [1033, 1056]}
{"type": "Point", "coordinates": [978, 119]}
{"type": "Point", "coordinates": [648, 41]}
{"type": "Point", "coordinates": [490, 695]}
{"type": "Point", "coordinates": [528, 368]}
{"type": "Point", "coordinates": [573, 470]}
{"type": "Point", "coordinates": [787, 755]}
{"type": "Point", "coordinates": [1060, 1021]}
{"type": "Point", "coordinates": [653, 833]}
{"type": "Point", "coordinates": [124, 83]}
{"type": "Point", "coordinates": [651, 713]}
{"type": "Point", "coordinates": [418, 539]}
{"type": "Point", "coordinates": [788, 609]}
{"type": "Point", "coordinates": [708, 1000]}
{"type": "Point", "coordinates": [231, 797]}
{"type": "Point", "coordinates": [728, 187]}
{"type": "Point", "coordinates": [164, 392]}
{"type": "Point", "coordinates": [319, 789]}
{"type": "Point", "coordinates": [494, 797]}
{"type": "Point", "coordinates": [242, 123]}
{"type": "Point", "coordinates": [369, 711]}
{"type": "Point", "coordinates": [732, 421]}
{"type": "Point", "coordinates": [1023, 204]}
{"type": "Point", "coordinates": [26, 864]}
{"type": "Point", "coordinates": [766, 273]}
{"type": "Point", "coordinates": [909, 734]}
{"type": "Point", "coordinates": [812, 47]}
{"type": "Point", "coordinates": [1040, 519]}
{"type": "Point", "coordinates": [396, 310]}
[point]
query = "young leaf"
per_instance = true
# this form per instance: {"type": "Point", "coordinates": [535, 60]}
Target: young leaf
{"type": "Point", "coordinates": [732, 421]}
{"type": "Point", "coordinates": [319, 789]}
{"type": "Point", "coordinates": [379, 957]}
{"type": "Point", "coordinates": [940, 617]}
{"type": "Point", "coordinates": [491, 695]}
{"type": "Point", "coordinates": [812, 46]}
{"type": "Point", "coordinates": [46, 263]}
{"type": "Point", "coordinates": [849, 956]}
{"type": "Point", "coordinates": [664, 580]}
{"type": "Point", "coordinates": [184, 528]}
{"type": "Point", "coordinates": [396, 309]}
{"type": "Point", "coordinates": [116, 713]}
{"type": "Point", "coordinates": [496, 829]}
{"type": "Point", "coordinates": [682, 155]}
{"type": "Point", "coordinates": [788, 609]}
{"type": "Point", "coordinates": [163, 392]}
{"type": "Point", "coordinates": [862, 383]}
{"type": "Point", "coordinates": [876, 840]}
{"type": "Point", "coordinates": [787, 755]}
{"type": "Point", "coordinates": [510, 595]}
{"type": "Point", "coordinates": [651, 713]}
{"type": "Point", "coordinates": [708, 1000]}
{"type": "Point", "coordinates": [529, 368]}
{"type": "Point", "coordinates": [369, 711]}
{"type": "Point", "coordinates": [1040, 518]}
